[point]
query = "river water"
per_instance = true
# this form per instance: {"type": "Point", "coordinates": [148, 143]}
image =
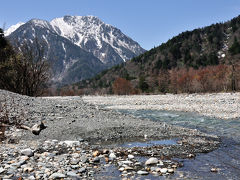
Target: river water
{"type": "Point", "coordinates": [226, 158]}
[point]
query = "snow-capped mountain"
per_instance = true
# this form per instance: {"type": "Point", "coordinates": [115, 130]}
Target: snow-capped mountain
{"type": "Point", "coordinates": [78, 47]}
{"type": "Point", "coordinates": [69, 62]}
{"type": "Point", "coordinates": [12, 28]}
{"type": "Point", "coordinates": [106, 42]}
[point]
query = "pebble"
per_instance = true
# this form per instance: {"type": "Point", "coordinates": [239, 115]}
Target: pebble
{"type": "Point", "coordinates": [28, 169]}
{"type": "Point", "coordinates": [96, 153]}
{"type": "Point", "coordinates": [112, 156]}
{"type": "Point", "coordinates": [130, 156]}
{"type": "Point", "coordinates": [163, 170]}
{"type": "Point", "coordinates": [72, 174]}
{"type": "Point", "coordinates": [128, 168]}
{"type": "Point", "coordinates": [27, 152]}
{"type": "Point", "coordinates": [57, 176]}
{"type": "Point", "coordinates": [151, 161]}
{"type": "Point", "coordinates": [121, 169]}
{"type": "Point", "coordinates": [82, 170]}
{"type": "Point", "coordinates": [215, 170]}
{"type": "Point", "coordinates": [1, 170]}
{"type": "Point", "coordinates": [96, 159]}
{"type": "Point", "coordinates": [142, 172]}
{"type": "Point", "coordinates": [170, 170]}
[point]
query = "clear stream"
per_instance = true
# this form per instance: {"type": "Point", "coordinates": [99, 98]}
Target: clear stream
{"type": "Point", "coordinates": [226, 158]}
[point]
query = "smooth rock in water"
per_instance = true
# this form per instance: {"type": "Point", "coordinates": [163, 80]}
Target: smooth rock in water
{"type": "Point", "coordinates": [112, 156]}
{"type": "Point", "coordinates": [160, 163]}
{"type": "Point", "coordinates": [138, 164]}
{"type": "Point", "coordinates": [151, 161]}
{"type": "Point", "coordinates": [214, 170]}
{"type": "Point", "coordinates": [171, 170]}
{"type": "Point", "coordinates": [153, 168]}
{"type": "Point", "coordinates": [142, 172]}
{"type": "Point", "coordinates": [158, 169]}
{"type": "Point", "coordinates": [57, 176]}
{"type": "Point", "coordinates": [27, 152]}
{"type": "Point", "coordinates": [128, 168]}
{"type": "Point", "coordinates": [164, 170]}
{"type": "Point", "coordinates": [190, 155]}
{"type": "Point", "coordinates": [1, 170]}
{"type": "Point", "coordinates": [121, 169]}
{"type": "Point", "coordinates": [130, 156]}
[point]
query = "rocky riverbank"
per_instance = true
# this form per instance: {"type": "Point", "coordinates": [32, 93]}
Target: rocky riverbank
{"type": "Point", "coordinates": [78, 141]}
{"type": "Point", "coordinates": [220, 105]}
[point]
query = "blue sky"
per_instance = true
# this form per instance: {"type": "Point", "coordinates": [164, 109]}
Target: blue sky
{"type": "Point", "coordinates": [149, 22]}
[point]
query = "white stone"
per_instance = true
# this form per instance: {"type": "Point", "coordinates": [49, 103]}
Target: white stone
{"type": "Point", "coordinates": [70, 143]}
{"type": "Point", "coordinates": [121, 169]}
{"type": "Point", "coordinates": [27, 152]}
{"type": "Point", "coordinates": [1, 170]}
{"type": "Point", "coordinates": [57, 176]}
{"type": "Point", "coordinates": [171, 170]}
{"type": "Point", "coordinates": [72, 174]}
{"type": "Point", "coordinates": [142, 172]}
{"type": "Point", "coordinates": [164, 170]}
{"type": "Point", "coordinates": [151, 161]}
{"type": "Point", "coordinates": [130, 156]}
{"type": "Point", "coordinates": [160, 163]}
{"type": "Point", "coordinates": [112, 156]}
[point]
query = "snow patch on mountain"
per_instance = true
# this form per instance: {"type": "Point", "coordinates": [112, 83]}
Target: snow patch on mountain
{"type": "Point", "coordinates": [104, 41]}
{"type": "Point", "coordinates": [86, 31]}
{"type": "Point", "coordinates": [13, 28]}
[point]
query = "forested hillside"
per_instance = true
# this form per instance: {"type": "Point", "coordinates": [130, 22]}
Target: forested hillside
{"type": "Point", "coordinates": [202, 60]}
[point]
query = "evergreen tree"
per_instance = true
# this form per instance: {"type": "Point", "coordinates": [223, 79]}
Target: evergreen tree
{"type": "Point", "coordinates": [143, 85]}
{"type": "Point", "coordinates": [235, 48]}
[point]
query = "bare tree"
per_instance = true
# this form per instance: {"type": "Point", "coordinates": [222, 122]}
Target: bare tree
{"type": "Point", "coordinates": [33, 69]}
{"type": "Point", "coordinates": [26, 71]}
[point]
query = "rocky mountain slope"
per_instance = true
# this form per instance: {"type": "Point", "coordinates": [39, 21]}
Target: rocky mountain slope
{"type": "Point", "coordinates": [106, 42]}
{"type": "Point", "coordinates": [78, 47]}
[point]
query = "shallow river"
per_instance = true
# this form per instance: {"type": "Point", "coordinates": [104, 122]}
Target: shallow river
{"type": "Point", "coordinates": [226, 158]}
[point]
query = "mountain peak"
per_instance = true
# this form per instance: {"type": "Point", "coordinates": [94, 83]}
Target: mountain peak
{"type": "Point", "coordinates": [93, 35]}
{"type": "Point", "coordinates": [88, 34]}
{"type": "Point", "coordinates": [13, 28]}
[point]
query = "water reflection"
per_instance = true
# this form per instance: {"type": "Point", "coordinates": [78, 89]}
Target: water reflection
{"type": "Point", "coordinates": [226, 158]}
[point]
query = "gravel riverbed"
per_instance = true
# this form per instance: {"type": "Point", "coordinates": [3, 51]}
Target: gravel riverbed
{"type": "Point", "coordinates": [81, 141]}
{"type": "Point", "coordinates": [220, 105]}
